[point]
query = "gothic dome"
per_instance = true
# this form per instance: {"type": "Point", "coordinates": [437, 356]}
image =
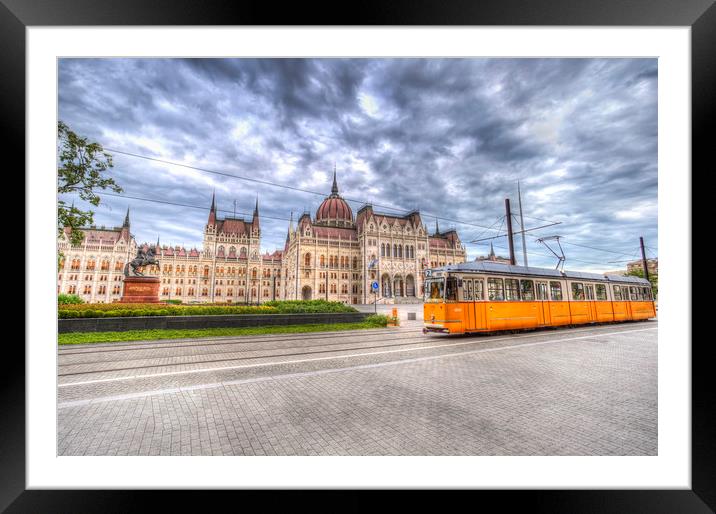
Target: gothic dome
{"type": "Point", "coordinates": [334, 210]}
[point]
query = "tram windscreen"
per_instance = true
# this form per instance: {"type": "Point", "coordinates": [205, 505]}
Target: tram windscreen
{"type": "Point", "coordinates": [434, 289]}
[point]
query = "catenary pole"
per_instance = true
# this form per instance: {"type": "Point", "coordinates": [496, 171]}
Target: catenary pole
{"type": "Point", "coordinates": [508, 215]}
{"type": "Point", "coordinates": [522, 225]}
{"type": "Point", "coordinates": [643, 259]}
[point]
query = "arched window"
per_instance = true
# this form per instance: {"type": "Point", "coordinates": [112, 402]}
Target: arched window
{"type": "Point", "coordinates": [204, 292]}
{"type": "Point", "coordinates": [206, 271]}
{"type": "Point", "coordinates": [307, 259]}
{"type": "Point", "coordinates": [323, 261]}
{"type": "Point", "coordinates": [355, 262]}
{"type": "Point", "coordinates": [382, 249]}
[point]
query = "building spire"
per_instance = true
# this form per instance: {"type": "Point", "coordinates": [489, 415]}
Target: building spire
{"type": "Point", "coordinates": [212, 210]}
{"type": "Point", "coordinates": [255, 219]}
{"type": "Point", "coordinates": [492, 251]}
{"type": "Point", "coordinates": [334, 189]}
{"type": "Point", "coordinates": [437, 228]}
{"type": "Point", "coordinates": [126, 218]}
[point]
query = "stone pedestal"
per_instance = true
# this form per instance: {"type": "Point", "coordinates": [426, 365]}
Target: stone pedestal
{"type": "Point", "coordinates": [140, 290]}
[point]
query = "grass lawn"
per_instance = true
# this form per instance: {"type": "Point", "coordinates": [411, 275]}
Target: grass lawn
{"type": "Point", "coordinates": [150, 335]}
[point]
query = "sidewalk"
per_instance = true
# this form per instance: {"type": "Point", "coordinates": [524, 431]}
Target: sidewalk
{"type": "Point", "coordinates": [403, 309]}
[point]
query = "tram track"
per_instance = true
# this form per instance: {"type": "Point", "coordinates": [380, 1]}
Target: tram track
{"type": "Point", "coordinates": [209, 361]}
{"type": "Point", "coordinates": [393, 347]}
{"type": "Point", "coordinates": [172, 343]}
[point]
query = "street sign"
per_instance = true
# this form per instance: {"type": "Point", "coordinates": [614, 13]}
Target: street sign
{"type": "Point", "coordinates": [374, 286]}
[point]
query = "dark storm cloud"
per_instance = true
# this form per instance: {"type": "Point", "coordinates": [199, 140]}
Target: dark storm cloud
{"type": "Point", "coordinates": [448, 136]}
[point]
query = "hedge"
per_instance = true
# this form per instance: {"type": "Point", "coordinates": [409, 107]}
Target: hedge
{"type": "Point", "coordinates": [107, 310]}
{"type": "Point", "coordinates": [69, 299]}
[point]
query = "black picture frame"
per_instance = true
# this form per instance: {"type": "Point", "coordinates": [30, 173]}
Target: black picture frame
{"type": "Point", "coordinates": [700, 15]}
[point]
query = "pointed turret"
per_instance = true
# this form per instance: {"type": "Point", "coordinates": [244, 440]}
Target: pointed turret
{"type": "Point", "coordinates": [288, 233]}
{"type": "Point", "coordinates": [437, 228]}
{"type": "Point", "coordinates": [255, 220]}
{"type": "Point", "coordinates": [212, 211]}
{"type": "Point", "coordinates": [492, 252]}
{"type": "Point", "coordinates": [124, 234]}
{"type": "Point", "coordinates": [334, 189]}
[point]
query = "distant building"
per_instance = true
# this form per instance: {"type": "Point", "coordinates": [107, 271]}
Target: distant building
{"type": "Point", "coordinates": [333, 256]}
{"type": "Point", "coordinates": [651, 264]}
{"type": "Point", "coordinates": [94, 270]}
{"type": "Point", "coordinates": [615, 272]}
{"type": "Point", "coordinates": [493, 258]}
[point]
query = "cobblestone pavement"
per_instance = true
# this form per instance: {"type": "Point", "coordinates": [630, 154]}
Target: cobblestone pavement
{"type": "Point", "coordinates": [581, 391]}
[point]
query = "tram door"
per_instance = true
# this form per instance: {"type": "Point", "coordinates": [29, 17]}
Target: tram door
{"type": "Point", "coordinates": [544, 317]}
{"type": "Point", "coordinates": [468, 294]}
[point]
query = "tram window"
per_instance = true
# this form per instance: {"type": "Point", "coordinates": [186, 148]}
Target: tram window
{"type": "Point", "coordinates": [451, 290]}
{"type": "Point", "coordinates": [590, 291]}
{"type": "Point", "coordinates": [601, 292]}
{"type": "Point", "coordinates": [634, 295]}
{"type": "Point", "coordinates": [542, 291]}
{"type": "Point", "coordinates": [479, 290]}
{"type": "Point", "coordinates": [647, 294]}
{"type": "Point", "coordinates": [467, 292]}
{"type": "Point", "coordinates": [512, 289]}
{"type": "Point", "coordinates": [617, 293]}
{"type": "Point", "coordinates": [495, 290]}
{"type": "Point", "coordinates": [435, 289]}
{"type": "Point", "coordinates": [556, 291]}
{"type": "Point", "coordinates": [527, 289]}
{"type": "Point", "coordinates": [577, 291]}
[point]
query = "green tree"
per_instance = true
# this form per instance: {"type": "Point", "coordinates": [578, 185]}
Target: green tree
{"type": "Point", "coordinates": [81, 170]}
{"type": "Point", "coordinates": [653, 278]}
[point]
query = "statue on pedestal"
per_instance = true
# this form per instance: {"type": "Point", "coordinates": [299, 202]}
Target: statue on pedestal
{"type": "Point", "coordinates": [146, 256]}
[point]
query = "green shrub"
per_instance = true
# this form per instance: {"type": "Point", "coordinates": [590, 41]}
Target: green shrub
{"type": "Point", "coordinates": [69, 299]}
{"type": "Point", "coordinates": [309, 306]}
{"type": "Point", "coordinates": [379, 320]}
{"type": "Point", "coordinates": [173, 302]}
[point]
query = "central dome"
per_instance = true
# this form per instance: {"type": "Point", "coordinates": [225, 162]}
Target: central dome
{"type": "Point", "coordinates": [334, 210]}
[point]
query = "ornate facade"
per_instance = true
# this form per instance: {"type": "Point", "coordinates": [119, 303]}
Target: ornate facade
{"type": "Point", "coordinates": [333, 256]}
{"type": "Point", "coordinates": [336, 257]}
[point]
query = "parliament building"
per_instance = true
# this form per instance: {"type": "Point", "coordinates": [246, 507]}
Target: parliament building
{"type": "Point", "coordinates": [334, 256]}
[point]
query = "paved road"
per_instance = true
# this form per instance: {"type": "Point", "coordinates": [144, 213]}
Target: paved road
{"type": "Point", "coordinates": [583, 391]}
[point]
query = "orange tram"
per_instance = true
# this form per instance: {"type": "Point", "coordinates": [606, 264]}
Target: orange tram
{"type": "Point", "coordinates": [489, 296]}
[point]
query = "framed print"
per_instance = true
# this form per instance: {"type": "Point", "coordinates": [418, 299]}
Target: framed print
{"type": "Point", "coordinates": [570, 427]}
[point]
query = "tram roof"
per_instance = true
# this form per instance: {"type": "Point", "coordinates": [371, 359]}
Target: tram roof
{"type": "Point", "coordinates": [630, 279]}
{"type": "Point", "coordinates": [496, 267]}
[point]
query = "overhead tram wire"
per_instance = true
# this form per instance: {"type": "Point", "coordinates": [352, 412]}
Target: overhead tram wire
{"type": "Point", "coordinates": [570, 259]}
{"type": "Point", "coordinates": [177, 204]}
{"type": "Point", "coordinates": [152, 200]}
{"type": "Point", "coordinates": [594, 248]}
{"type": "Point", "coordinates": [274, 184]}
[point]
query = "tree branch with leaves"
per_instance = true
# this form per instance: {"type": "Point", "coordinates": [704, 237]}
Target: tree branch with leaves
{"type": "Point", "coordinates": [81, 170]}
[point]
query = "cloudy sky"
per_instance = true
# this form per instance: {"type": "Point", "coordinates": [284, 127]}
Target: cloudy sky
{"type": "Point", "coordinates": [450, 137]}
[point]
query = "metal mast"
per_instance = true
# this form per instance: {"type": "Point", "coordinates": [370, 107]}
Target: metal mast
{"type": "Point", "coordinates": [522, 226]}
{"type": "Point", "coordinates": [508, 215]}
